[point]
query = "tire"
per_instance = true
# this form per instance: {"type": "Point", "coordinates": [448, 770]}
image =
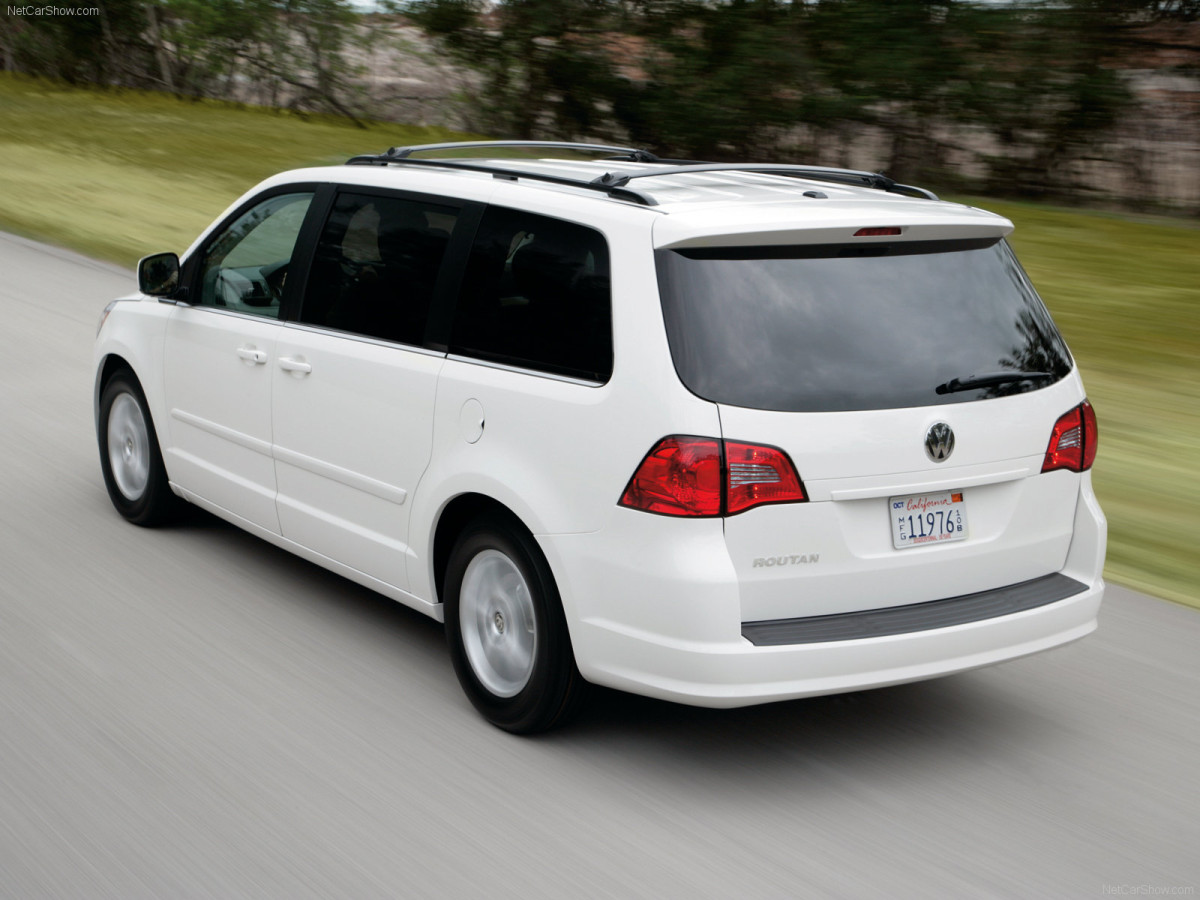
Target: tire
{"type": "Point", "coordinates": [506, 630]}
{"type": "Point", "coordinates": [130, 458]}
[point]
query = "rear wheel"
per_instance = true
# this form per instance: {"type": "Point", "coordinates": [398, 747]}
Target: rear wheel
{"type": "Point", "coordinates": [134, 473]}
{"type": "Point", "coordinates": [506, 631]}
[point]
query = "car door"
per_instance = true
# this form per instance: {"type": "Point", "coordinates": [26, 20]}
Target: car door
{"type": "Point", "coordinates": [217, 360]}
{"type": "Point", "coordinates": [354, 383]}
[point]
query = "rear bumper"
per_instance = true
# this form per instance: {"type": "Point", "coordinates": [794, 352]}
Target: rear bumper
{"type": "Point", "coordinates": [893, 620]}
{"type": "Point", "coordinates": [737, 673]}
{"type": "Point", "coordinates": [653, 608]}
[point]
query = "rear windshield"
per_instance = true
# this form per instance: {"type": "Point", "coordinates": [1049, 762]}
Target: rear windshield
{"type": "Point", "coordinates": [836, 327]}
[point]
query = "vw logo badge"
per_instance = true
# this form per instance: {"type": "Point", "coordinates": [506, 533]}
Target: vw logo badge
{"type": "Point", "coordinates": [939, 442]}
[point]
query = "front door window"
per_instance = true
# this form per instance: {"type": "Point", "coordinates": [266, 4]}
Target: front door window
{"type": "Point", "coordinates": [246, 267]}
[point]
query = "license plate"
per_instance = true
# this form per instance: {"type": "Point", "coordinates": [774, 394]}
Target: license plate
{"type": "Point", "coordinates": [928, 519]}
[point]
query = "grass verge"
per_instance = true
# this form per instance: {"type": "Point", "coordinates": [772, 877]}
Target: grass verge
{"type": "Point", "coordinates": [120, 174]}
{"type": "Point", "coordinates": [1126, 294]}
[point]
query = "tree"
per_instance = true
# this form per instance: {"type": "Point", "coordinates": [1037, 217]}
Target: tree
{"type": "Point", "coordinates": [1047, 87]}
{"type": "Point", "coordinates": [106, 48]}
{"type": "Point", "coordinates": [293, 51]}
{"type": "Point", "coordinates": [546, 64]}
{"type": "Point", "coordinates": [720, 80]}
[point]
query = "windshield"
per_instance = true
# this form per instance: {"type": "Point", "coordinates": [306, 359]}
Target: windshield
{"type": "Point", "coordinates": [840, 327]}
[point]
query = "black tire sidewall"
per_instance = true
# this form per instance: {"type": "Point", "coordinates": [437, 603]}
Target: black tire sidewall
{"type": "Point", "coordinates": [545, 699]}
{"type": "Point", "coordinates": [157, 502]}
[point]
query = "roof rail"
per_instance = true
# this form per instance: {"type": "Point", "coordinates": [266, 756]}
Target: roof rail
{"type": "Point", "coordinates": [616, 185]}
{"type": "Point", "coordinates": [817, 173]}
{"type": "Point", "coordinates": [634, 154]}
{"type": "Point", "coordinates": [613, 190]}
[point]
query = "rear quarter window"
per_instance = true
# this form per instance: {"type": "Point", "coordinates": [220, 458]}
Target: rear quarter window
{"type": "Point", "coordinates": [536, 295]}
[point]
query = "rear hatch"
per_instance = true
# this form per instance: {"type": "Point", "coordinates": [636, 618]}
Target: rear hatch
{"type": "Point", "coordinates": [862, 356]}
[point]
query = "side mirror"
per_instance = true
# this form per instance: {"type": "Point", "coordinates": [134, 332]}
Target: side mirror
{"type": "Point", "coordinates": [158, 274]}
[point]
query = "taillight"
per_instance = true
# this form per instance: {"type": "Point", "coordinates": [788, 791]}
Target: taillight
{"type": "Point", "coordinates": [1091, 434]}
{"type": "Point", "coordinates": [759, 475]}
{"type": "Point", "coordinates": [699, 476]}
{"type": "Point", "coordinates": [876, 232]}
{"type": "Point", "coordinates": [681, 476]}
{"type": "Point", "coordinates": [1073, 441]}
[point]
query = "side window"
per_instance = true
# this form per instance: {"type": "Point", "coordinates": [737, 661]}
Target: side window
{"type": "Point", "coordinates": [245, 268]}
{"type": "Point", "coordinates": [536, 294]}
{"type": "Point", "coordinates": [376, 266]}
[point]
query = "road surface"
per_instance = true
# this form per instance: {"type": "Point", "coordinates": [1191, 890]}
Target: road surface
{"type": "Point", "coordinates": [191, 712]}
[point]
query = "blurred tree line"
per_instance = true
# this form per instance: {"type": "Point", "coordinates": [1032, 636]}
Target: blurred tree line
{"type": "Point", "coordinates": [1035, 84]}
{"type": "Point", "coordinates": [294, 51]}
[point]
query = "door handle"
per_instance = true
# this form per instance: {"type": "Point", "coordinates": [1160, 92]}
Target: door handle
{"type": "Point", "coordinates": [251, 355]}
{"type": "Point", "coordinates": [290, 364]}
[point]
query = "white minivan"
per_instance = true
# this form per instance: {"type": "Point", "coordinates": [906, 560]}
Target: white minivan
{"type": "Point", "coordinates": [721, 434]}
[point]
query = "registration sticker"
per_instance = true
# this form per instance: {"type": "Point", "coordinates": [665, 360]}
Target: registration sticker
{"type": "Point", "coordinates": [928, 519]}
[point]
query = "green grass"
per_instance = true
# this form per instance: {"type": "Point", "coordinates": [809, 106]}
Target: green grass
{"type": "Point", "coordinates": [121, 174]}
{"type": "Point", "coordinates": [1126, 294]}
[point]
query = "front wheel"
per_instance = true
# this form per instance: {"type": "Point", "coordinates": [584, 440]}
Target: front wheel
{"type": "Point", "coordinates": [507, 634]}
{"type": "Point", "coordinates": [134, 473]}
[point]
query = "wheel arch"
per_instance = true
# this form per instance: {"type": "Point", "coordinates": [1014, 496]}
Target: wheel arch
{"type": "Point", "coordinates": [454, 517]}
{"type": "Point", "coordinates": [109, 366]}
{"type": "Point", "coordinates": [552, 689]}
{"type": "Point", "coordinates": [140, 490]}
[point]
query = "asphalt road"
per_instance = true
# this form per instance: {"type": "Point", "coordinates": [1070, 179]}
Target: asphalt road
{"type": "Point", "coordinates": [192, 713]}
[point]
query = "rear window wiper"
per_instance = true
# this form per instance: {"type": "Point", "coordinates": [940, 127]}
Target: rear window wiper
{"type": "Point", "coordinates": [993, 379]}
